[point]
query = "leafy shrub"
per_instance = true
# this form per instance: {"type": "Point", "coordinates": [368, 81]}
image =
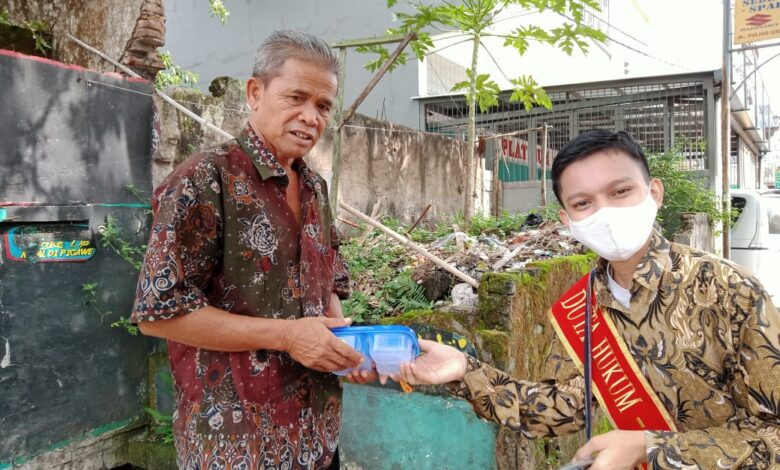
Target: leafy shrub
{"type": "Point", "coordinates": [683, 192]}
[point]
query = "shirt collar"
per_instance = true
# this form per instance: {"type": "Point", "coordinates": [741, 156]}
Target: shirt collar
{"type": "Point", "coordinates": [265, 161]}
{"type": "Point", "coordinates": [647, 277]}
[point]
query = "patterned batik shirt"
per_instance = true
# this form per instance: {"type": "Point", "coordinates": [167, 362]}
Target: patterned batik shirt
{"type": "Point", "coordinates": [705, 335]}
{"type": "Point", "coordinates": [223, 235]}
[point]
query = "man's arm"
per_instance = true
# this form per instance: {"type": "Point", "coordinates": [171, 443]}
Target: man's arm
{"type": "Point", "coordinates": [308, 340]}
{"type": "Point", "coordinates": [550, 408]}
{"type": "Point", "coordinates": [185, 246]}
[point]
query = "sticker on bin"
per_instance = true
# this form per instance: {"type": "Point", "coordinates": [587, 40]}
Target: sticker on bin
{"type": "Point", "coordinates": [386, 347]}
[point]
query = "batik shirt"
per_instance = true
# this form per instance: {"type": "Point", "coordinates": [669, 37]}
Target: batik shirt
{"type": "Point", "coordinates": [707, 339]}
{"type": "Point", "coordinates": [223, 235]}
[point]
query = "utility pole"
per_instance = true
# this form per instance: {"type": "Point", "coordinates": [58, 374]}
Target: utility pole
{"type": "Point", "coordinates": [341, 117]}
{"type": "Point", "coordinates": [544, 166]}
{"type": "Point", "coordinates": [725, 124]}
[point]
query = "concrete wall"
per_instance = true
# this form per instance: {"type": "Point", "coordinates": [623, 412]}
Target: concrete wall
{"type": "Point", "coordinates": [198, 42]}
{"type": "Point", "coordinates": [523, 196]}
{"type": "Point", "coordinates": [381, 161]}
{"type": "Point", "coordinates": [385, 429]}
{"type": "Point", "coordinates": [68, 157]}
{"type": "Point", "coordinates": [403, 169]}
{"type": "Point", "coordinates": [104, 24]}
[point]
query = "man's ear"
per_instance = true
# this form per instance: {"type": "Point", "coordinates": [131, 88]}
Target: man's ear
{"type": "Point", "coordinates": [254, 91]}
{"type": "Point", "coordinates": [657, 191]}
{"type": "Point", "coordinates": [564, 217]}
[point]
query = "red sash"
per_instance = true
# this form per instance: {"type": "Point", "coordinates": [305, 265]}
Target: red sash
{"type": "Point", "coordinates": [619, 385]}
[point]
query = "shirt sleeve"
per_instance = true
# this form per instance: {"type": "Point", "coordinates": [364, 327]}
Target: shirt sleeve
{"type": "Point", "coordinates": [183, 250]}
{"type": "Point", "coordinates": [544, 409]}
{"type": "Point", "coordinates": [751, 439]}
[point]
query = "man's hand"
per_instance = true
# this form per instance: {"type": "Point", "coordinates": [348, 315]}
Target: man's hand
{"type": "Point", "coordinates": [438, 364]}
{"type": "Point", "coordinates": [365, 376]}
{"type": "Point", "coordinates": [310, 342]}
{"type": "Point", "coordinates": [622, 450]}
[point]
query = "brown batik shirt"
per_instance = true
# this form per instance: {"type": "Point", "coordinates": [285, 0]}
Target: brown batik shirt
{"type": "Point", "coordinates": [223, 235]}
{"type": "Point", "coordinates": [707, 339]}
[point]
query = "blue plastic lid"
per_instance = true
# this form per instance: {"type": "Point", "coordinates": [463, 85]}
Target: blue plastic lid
{"type": "Point", "coordinates": [384, 347]}
{"type": "Point", "coordinates": [380, 330]}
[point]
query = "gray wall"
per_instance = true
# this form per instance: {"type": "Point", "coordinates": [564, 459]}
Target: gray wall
{"type": "Point", "coordinates": [404, 169]}
{"type": "Point", "coordinates": [198, 42]}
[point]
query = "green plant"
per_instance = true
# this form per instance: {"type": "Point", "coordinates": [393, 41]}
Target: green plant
{"type": "Point", "coordinates": [161, 425]}
{"type": "Point", "coordinates": [126, 324]}
{"type": "Point", "coordinates": [217, 8]}
{"type": "Point", "coordinates": [474, 21]}
{"type": "Point", "coordinates": [161, 428]}
{"type": "Point", "coordinates": [683, 192]}
{"type": "Point", "coordinates": [404, 294]}
{"type": "Point", "coordinates": [377, 261]}
{"type": "Point", "coordinates": [136, 193]}
{"type": "Point", "coordinates": [502, 225]}
{"type": "Point", "coordinates": [36, 28]}
{"type": "Point", "coordinates": [112, 237]}
{"type": "Point", "coordinates": [173, 75]}
{"type": "Point", "coordinates": [90, 300]}
{"type": "Point", "coordinates": [551, 212]}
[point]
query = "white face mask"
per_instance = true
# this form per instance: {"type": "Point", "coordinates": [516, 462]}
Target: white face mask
{"type": "Point", "coordinates": [617, 233]}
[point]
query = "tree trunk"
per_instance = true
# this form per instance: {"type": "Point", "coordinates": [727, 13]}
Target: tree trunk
{"type": "Point", "coordinates": [468, 207]}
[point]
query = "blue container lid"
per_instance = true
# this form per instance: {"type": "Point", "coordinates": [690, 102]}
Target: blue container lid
{"type": "Point", "coordinates": [380, 330]}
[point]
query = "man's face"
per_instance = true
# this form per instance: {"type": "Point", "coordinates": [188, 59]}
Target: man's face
{"type": "Point", "coordinates": [292, 110]}
{"type": "Point", "coordinates": [608, 178]}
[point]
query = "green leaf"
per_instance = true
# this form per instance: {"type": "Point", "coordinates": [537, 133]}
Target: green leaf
{"type": "Point", "coordinates": [390, 3]}
{"type": "Point", "coordinates": [89, 287]}
{"type": "Point", "coordinates": [173, 75]}
{"type": "Point", "coordinates": [485, 92]}
{"type": "Point", "coordinates": [528, 92]}
{"type": "Point", "coordinates": [217, 8]}
{"type": "Point", "coordinates": [384, 56]}
{"type": "Point", "coordinates": [5, 19]}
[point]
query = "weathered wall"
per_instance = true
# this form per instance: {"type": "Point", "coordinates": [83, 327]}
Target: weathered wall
{"type": "Point", "coordinates": [68, 156]}
{"type": "Point", "coordinates": [516, 306]}
{"type": "Point", "coordinates": [104, 24]}
{"type": "Point", "coordinates": [385, 429]}
{"type": "Point", "coordinates": [405, 169]}
{"type": "Point", "coordinates": [510, 330]}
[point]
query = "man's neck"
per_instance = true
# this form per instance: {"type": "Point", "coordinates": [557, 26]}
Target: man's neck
{"type": "Point", "coordinates": [623, 271]}
{"type": "Point", "coordinates": [285, 162]}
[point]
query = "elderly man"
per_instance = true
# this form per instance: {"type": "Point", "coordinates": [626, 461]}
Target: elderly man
{"type": "Point", "coordinates": [243, 277]}
{"type": "Point", "coordinates": [685, 346]}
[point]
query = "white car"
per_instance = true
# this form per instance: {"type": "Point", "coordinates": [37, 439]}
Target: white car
{"type": "Point", "coordinates": [755, 238]}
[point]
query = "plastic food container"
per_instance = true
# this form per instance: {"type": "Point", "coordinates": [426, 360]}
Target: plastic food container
{"type": "Point", "coordinates": [386, 347]}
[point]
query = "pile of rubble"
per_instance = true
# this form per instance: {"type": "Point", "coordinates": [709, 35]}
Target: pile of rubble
{"type": "Point", "coordinates": [480, 254]}
{"type": "Point", "coordinates": [473, 256]}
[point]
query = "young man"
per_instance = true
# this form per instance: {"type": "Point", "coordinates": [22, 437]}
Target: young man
{"type": "Point", "coordinates": [685, 349]}
{"type": "Point", "coordinates": [243, 277]}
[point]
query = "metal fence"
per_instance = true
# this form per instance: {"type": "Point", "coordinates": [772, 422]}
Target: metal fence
{"type": "Point", "coordinates": [661, 113]}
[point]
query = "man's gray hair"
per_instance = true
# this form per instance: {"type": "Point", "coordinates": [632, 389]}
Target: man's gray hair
{"type": "Point", "coordinates": [289, 44]}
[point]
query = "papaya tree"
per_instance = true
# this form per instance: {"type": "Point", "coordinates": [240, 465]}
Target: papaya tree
{"type": "Point", "coordinates": [474, 19]}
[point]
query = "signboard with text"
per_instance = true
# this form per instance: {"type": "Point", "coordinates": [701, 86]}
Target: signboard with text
{"type": "Point", "coordinates": [515, 160]}
{"type": "Point", "coordinates": [756, 20]}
